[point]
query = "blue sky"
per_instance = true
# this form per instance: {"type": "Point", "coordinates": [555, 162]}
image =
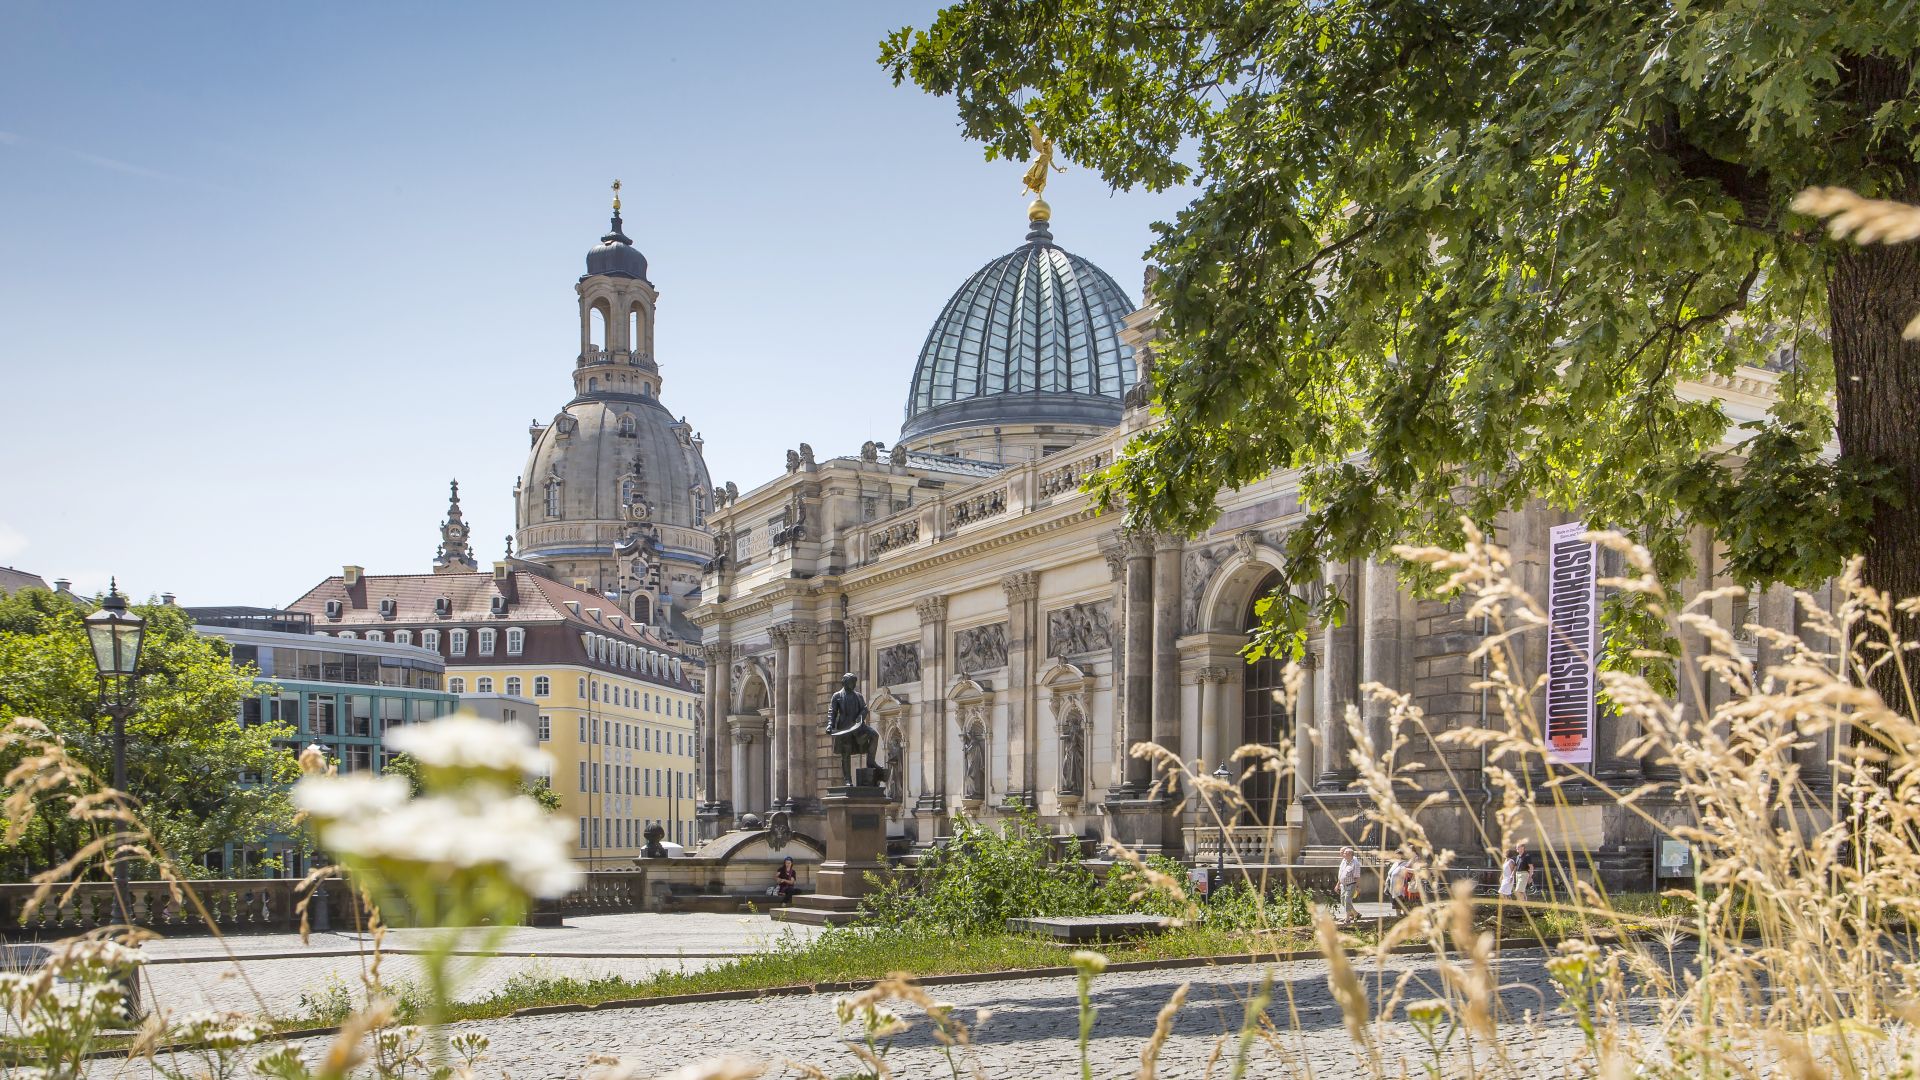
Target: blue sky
{"type": "Point", "coordinates": [271, 275]}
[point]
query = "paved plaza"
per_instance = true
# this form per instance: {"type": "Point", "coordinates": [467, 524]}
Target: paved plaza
{"type": "Point", "coordinates": [1030, 1030]}
{"type": "Point", "coordinates": [276, 970]}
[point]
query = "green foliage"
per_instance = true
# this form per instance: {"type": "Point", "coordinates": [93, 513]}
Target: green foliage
{"type": "Point", "coordinates": [404, 765]}
{"type": "Point", "coordinates": [982, 878]}
{"type": "Point", "coordinates": [1446, 257]}
{"type": "Point", "coordinates": [186, 748]}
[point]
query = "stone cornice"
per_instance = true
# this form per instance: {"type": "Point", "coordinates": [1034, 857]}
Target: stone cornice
{"type": "Point", "coordinates": [1026, 527]}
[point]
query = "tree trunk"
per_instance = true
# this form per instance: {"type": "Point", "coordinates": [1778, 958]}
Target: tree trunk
{"type": "Point", "coordinates": [1874, 291]}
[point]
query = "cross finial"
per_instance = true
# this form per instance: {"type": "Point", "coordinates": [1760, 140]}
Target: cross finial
{"type": "Point", "coordinates": [616, 196]}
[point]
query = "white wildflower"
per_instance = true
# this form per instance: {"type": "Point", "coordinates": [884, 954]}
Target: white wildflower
{"type": "Point", "coordinates": [355, 795]}
{"type": "Point", "coordinates": [468, 742]}
{"type": "Point", "coordinates": [511, 834]}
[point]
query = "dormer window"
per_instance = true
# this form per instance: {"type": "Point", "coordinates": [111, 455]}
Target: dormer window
{"type": "Point", "coordinates": [486, 641]}
{"type": "Point", "coordinates": [618, 622]}
{"type": "Point", "coordinates": [516, 641]}
{"type": "Point", "coordinates": [574, 607]}
{"type": "Point", "coordinates": [333, 609]}
{"type": "Point", "coordinates": [626, 427]}
{"type": "Point", "coordinates": [457, 643]}
{"type": "Point", "coordinates": [595, 612]}
{"type": "Point", "coordinates": [388, 607]}
{"type": "Point", "coordinates": [443, 607]}
{"type": "Point", "coordinates": [499, 605]}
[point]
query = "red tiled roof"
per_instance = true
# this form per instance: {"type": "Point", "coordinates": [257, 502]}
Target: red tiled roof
{"type": "Point", "coordinates": [536, 599]}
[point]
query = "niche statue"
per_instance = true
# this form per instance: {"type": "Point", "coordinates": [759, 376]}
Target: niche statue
{"type": "Point", "coordinates": [852, 734]}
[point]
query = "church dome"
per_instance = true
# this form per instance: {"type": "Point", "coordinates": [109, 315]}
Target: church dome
{"type": "Point", "coordinates": [615, 255]}
{"type": "Point", "coordinates": [611, 459]}
{"type": "Point", "coordinates": [1033, 337]}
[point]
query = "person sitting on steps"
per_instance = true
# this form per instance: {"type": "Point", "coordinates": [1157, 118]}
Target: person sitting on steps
{"type": "Point", "coordinates": [786, 880]}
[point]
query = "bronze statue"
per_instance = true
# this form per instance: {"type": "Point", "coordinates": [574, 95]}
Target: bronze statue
{"type": "Point", "coordinates": [851, 733]}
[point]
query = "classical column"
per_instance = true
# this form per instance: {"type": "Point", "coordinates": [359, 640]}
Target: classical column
{"type": "Point", "coordinates": [1383, 652]}
{"type": "Point", "coordinates": [1139, 661]}
{"type": "Point", "coordinates": [931, 739]}
{"type": "Point", "coordinates": [802, 760]}
{"type": "Point", "coordinates": [780, 790]}
{"type": "Point", "coordinates": [1167, 549]}
{"type": "Point", "coordinates": [1023, 590]}
{"type": "Point", "coordinates": [1213, 743]}
{"type": "Point", "coordinates": [1777, 609]}
{"type": "Point", "coordinates": [1342, 674]}
{"type": "Point", "coordinates": [741, 731]}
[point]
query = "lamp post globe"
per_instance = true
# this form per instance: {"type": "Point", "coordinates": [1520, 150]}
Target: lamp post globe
{"type": "Point", "coordinates": [115, 635]}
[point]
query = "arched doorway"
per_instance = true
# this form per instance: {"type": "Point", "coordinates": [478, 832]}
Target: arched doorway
{"type": "Point", "coordinates": [1264, 719]}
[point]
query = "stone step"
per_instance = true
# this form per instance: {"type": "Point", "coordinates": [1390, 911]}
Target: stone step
{"type": "Point", "coordinates": [813, 916]}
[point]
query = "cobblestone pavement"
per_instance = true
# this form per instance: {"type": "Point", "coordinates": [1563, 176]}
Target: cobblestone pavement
{"type": "Point", "coordinates": [275, 971]}
{"type": "Point", "coordinates": [1033, 1026]}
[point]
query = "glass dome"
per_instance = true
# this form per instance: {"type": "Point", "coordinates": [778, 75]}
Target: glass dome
{"type": "Point", "coordinates": [1031, 337]}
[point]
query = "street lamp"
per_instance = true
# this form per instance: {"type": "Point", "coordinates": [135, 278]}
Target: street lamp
{"type": "Point", "coordinates": [1220, 807]}
{"type": "Point", "coordinates": [115, 634]}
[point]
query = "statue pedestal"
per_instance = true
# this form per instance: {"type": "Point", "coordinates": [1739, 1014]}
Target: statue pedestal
{"type": "Point", "coordinates": [1147, 825]}
{"type": "Point", "coordinates": [856, 845]}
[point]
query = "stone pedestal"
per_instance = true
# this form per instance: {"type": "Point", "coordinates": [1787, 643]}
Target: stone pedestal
{"type": "Point", "coordinates": [856, 830]}
{"type": "Point", "coordinates": [1148, 826]}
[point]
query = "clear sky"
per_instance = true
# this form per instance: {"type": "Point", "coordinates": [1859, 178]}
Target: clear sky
{"type": "Point", "coordinates": [270, 275]}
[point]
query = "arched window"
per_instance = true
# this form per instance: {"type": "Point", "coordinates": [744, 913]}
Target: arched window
{"type": "Point", "coordinates": [457, 643]}
{"type": "Point", "coordinates": [626, 426]}
{"type": "Point", "coordinates": [487, 637]}
{"type": "Point", "coordinates": [597, 327]}
{"type": "Point", "coordinates": [553, 497]}
{"type": "Point", "coordinates": [593, 384]}
{"type": "Point", "coordinates": [403, 637]}
{"type": "Point", "coordinates": [513, 685]}
{"type": "Point", "coordinates": [430, 639]}
{"type": "Point", "coordinates": [629, 491]}
{"type": "Point", "coordinates": [1264, 720]}
{"type": "Point", "coordinates": [542, 686]}
{"type": "Point", "coordinates": [457, 684]}
{"type": "Point", "coordinates": [348, 634]}
{"type": "Point", "coordinates": [635, 335]}
{"type": "Point", "coordinates": [483, 685]}
{"type": "Point", "coordinates": [376, 635]}
{"type": "Point", "coordinates": [516, 641]}
{"type": "Point", "coordinates": [583, 688]}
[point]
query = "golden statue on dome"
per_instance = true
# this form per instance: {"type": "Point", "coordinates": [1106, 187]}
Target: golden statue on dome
{"type": "Point", "coordinates": [1035, 178]}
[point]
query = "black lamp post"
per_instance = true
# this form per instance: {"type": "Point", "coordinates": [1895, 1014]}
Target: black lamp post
{"type": "Point", "coordinates": [1222, 804]}
{"type": "Point", "coordinates": [115, 634]}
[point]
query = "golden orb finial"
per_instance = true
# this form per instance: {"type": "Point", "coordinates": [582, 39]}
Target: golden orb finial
{"type": "Point", "coordinates": [1038, 210]}
{"type": "Point", "coordinates": [616, 196]}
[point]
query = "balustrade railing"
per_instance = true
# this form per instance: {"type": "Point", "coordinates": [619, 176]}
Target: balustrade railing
{"type": "Point", "coordinates": [253, 905]}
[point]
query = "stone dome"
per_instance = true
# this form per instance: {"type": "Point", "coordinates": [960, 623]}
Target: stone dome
{"type": "Point", "coordinates": [615, 255]}
{"type": "Point", "coordinates": [1033, 337]}
{"type": "Point", "coordinates": [611, 459]}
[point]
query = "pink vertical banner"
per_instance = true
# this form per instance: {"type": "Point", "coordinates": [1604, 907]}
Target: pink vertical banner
{"type": "Point", "coordinates": [1573, 623]}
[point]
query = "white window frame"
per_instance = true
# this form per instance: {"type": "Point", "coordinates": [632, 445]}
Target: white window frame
{"type": "Point", "coordinates": [516, 641]}
{"type": "Point", "coordinates": [456, 685]}
{"type": "Point", "coordinates": [430, 639]}
{"type": "Point", "coordinates": [457, 642]}
{"type": "Point", "coordinates": [542, 686]}
{"type": "Point", "coordinates": [488, 638]}
{"type": "Point", "coordinates": [483, 685]}
{"type": "Point", "coordinates": [512, 686]}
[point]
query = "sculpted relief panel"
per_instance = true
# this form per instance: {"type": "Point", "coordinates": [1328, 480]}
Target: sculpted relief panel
{"type": "Point", "coordinates": [899, 664]}
{"type": "Point", "coordinates": [981, 648]}
{"type": "Point", "coordinates": [1082, 628]}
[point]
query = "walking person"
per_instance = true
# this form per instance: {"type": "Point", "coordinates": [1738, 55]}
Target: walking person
{"type": "Point", "coordinates": [1347, 883]}
{"type": "Point", "coordinates": [1396, 872]}
{"type": "Point", "coordinates": [1524, 864]}
{"type": "Point", "coordinates": [1507, 875]}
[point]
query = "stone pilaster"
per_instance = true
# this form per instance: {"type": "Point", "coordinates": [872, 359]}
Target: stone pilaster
{"type": "Point", "coordinates": [802, 761]}
{"type": "Point", "coordinates": [859, 649]}
{"type": "Point", "coordinates": [1383, 650]}
{"type": "Point", "coordinates": [1113, 548]}
{"type": "Point", "coordinates": [777, 753]}
{"type": "Point", "coordinates": [1138, 665]}
{"type": "Point", "coordinates": [930, 808]}
{"type": "Point", "coordinates": [1023, 739]}
{"type": "Point", "coordinates": [1167, 550]}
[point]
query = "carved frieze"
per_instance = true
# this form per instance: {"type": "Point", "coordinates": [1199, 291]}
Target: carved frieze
{"type": "Point", "coordinates": [1081, 628]}
{"type": "Point", "coordinates": [981, 648]}
{"type": "Point", "coordinates": [899, 664]}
